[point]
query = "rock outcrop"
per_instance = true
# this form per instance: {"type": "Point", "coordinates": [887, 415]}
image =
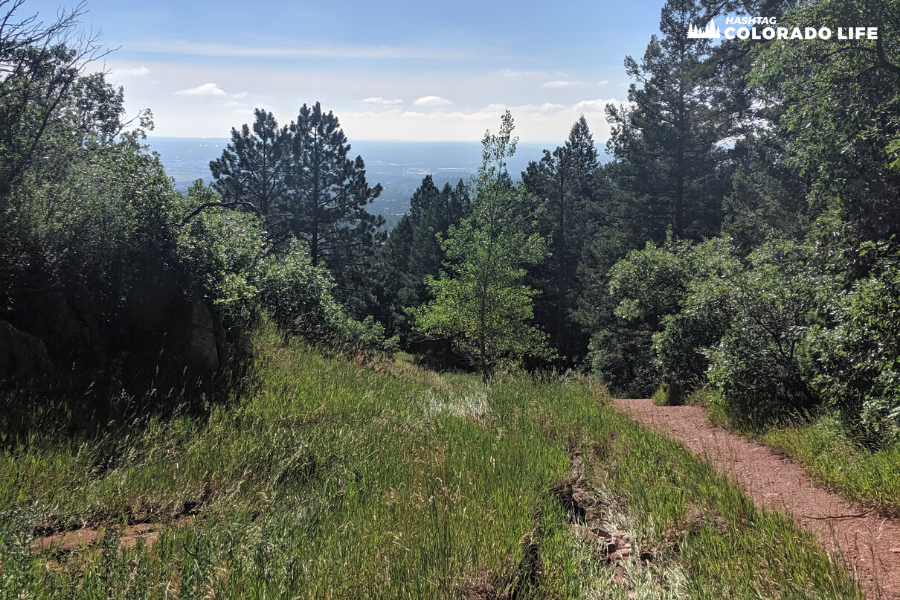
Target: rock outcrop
{"type": "Point", "coordinates": [22, 355]}
{"type": "Point", "coordinates": [205, 340]}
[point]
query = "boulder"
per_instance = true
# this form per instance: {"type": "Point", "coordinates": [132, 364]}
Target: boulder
{"type": "Point", "coordinates": [22, 355]}
{"type": "Point", "coordinates": [49, 316]}
{"type": "Point", "coordinates": [201, 344]}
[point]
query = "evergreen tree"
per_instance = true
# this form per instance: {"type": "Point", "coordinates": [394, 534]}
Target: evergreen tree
{"type": "Point", "coordinates": [252, 171]}
{"type": "Point", "coordinates": [413, 251]}
{"type": "Point", "coordinates": [562, 182]}
{"type": "Point", "coordinates": [328, 203]}
{"type": "Point", "coordinates": [667, 141]}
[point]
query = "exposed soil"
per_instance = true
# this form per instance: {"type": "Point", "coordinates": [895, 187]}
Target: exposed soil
{"type": "Point", "coordinates": [869, 544]}
{"type": "Point", "coordinates": [69, 541]}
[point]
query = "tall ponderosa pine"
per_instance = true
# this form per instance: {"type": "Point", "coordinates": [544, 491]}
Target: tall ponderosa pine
{"type": "Point", "coordinates": [330, 196]}
{"type": "Point", "coordinates": [480, 300]}
{"type": "Point", "coordinates": [331, 193]}
{"type": "Point", "coordinates": [562, 181]}
{"type": "Point", "coordinates": [252, 170]}
{"type": "Point", "coordinates": [667, 141]}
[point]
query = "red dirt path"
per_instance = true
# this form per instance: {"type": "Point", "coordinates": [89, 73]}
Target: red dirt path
{"type": "Point", "coordinates": [869, 544]}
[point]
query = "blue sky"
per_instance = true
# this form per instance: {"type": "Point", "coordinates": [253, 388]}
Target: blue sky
{"type": "Point", "coordinates": [390, 70]}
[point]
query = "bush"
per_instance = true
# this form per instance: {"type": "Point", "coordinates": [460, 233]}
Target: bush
{"type": "Point", "coordinates": [857, 362]}
{"type": "Point", "coordinates": [704, 317]}
{"type": "Point", "coordinates": [644, 287]}
{"type": "Point", "coordinates": [756, 364]}
{"type": "Point", "coordinates": [298, 296]}
{"type": "Point", "coordinates": [228, 262]}
{"type": "Point", "coordinates": [223, 255]}
{"type": "Point", "coordinates": [677, 296]}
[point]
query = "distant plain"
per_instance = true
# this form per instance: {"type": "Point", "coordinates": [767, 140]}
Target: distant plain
{"type": "Point", "coordinates": [398, 166]}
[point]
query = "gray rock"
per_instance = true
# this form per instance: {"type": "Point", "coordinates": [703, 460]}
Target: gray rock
{"type": "Point", "coordinates": [201, 349]}
{"type": "Point", "coordinates": [49, 316]}
{"type": "Point", "coordinates": [21, 354]}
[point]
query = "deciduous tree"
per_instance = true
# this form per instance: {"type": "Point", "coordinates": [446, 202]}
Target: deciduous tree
{"type": "Point", "coordinates": [480, 300]}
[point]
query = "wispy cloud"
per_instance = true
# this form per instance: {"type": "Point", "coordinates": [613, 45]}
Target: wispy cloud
{"type": "Point", "coordinates": [494, 111]}
{"type": "Point", "coordinates": [135, 72]}
{"type": "Point", "coordinates": [594, 106]}
{"type": "Point", "coordinates": [546, 107]}
{"type": "Point", "coordinates": [546, 121]}
{"type": "Point", "coordinates": [604, 82]}
{"type": "Point", "coordinates": [379, 101]}
{"type": "Point", "coordinates": [515, 73]}
{"type": "Point", "coordinates": [432, 101]}
{"type": "Point", "coordinates": [207, 89]}
{"type": "Point", "coordinates": [361, 52]}
{"type": "Point", "coordinates": [559, 83]}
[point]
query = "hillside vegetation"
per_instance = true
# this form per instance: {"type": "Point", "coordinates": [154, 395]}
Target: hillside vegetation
{"type": "Point", "coordinates": [321, 478]}
{"type": "Point", "coordinates": [209, 386]}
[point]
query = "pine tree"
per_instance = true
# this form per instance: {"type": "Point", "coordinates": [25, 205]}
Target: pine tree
{"type": "Point", "coordinates": [252, 171]}
{"type": "Point", "coordinates": [328, 203]}
{"type": "Point", "coordinates": [562, 181]}
{"type": "Point", "coordinates": [413, 250]}
{"type": "Point", "coordinates": [667, 141]}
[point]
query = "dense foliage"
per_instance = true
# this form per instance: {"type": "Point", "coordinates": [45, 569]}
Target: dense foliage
{"type": "Point", "coordinates": [480, 301]}
{"type": "Point", "coordinates": [740, 239]}
{"type": "Point", "coordinates": [102, 261]}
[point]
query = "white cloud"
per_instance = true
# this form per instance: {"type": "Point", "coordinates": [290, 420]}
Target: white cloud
{"type": "Point", "coordinates": [381, 101]}
{"type": "Point", "coordinates": [594, 105]}
{"type": "Point", "coordinates": [604, 82]}
{"type": "Point", "coordinates": [547, 121]}
{"type": "Point", "coordinates": [432, 101]}
{"type": "Point", "coordinates": [241, 95]}
{"type": "Point", "coordinates": [135, 72]}
{"type": "Point", "coordinates": [207, 89]}
{"type": "Point", "coordinates": [366, 52]}
{"type": "Point", "coordinates": [562, 83]}
{"type": "Point", "coordinates": [514, 73]}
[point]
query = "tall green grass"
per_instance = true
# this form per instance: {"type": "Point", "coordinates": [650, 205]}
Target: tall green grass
{"type": "Point", "coordinates": [321, 478]}
{"type": "Point", "coordinates": [865, 475]}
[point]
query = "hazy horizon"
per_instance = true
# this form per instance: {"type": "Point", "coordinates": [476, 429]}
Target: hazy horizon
{"type": "Point", "coordinates": [398, 70]}
{"type": "Point", "coordinates": [392, 163]}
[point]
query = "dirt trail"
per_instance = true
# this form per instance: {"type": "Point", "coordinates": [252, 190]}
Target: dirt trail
{"type": "Point", "coordinates": [869, 544]}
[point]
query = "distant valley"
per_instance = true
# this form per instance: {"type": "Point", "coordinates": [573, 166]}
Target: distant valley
{"type": "Point", "coordinates": [399, 166]}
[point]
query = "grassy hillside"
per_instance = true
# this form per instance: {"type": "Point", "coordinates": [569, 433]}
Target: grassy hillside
{"type": "Point", "coordinates": [322, 478]}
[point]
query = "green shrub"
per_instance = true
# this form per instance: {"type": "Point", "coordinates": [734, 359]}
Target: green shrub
{"type": "Point", "coordinates": [704, 316]}
{"type": "Point", "coordinates": [756, 364]}
{"type": "Point", "coordinates": [298, 296]}
{"type": "Point", "coordinates": [223, 254]}
{"type": "Point", "coordinates": [856, 364]}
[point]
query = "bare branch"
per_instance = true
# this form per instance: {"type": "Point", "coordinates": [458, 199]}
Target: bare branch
{"type": "Point", "coordinates": [206, 205]}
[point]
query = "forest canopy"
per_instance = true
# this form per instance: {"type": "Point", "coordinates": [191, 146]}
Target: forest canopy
{"type": "Point", "coordinates": [741, 241]}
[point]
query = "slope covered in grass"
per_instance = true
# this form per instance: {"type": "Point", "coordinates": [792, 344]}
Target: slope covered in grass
{"type": "Point", "coordinates": [869, 476]}
{"type": "Point", "coordinates": [325, 479]}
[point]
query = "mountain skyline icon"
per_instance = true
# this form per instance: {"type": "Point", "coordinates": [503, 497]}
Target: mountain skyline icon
{"type": "Point", "coordinates": [711, 32]}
